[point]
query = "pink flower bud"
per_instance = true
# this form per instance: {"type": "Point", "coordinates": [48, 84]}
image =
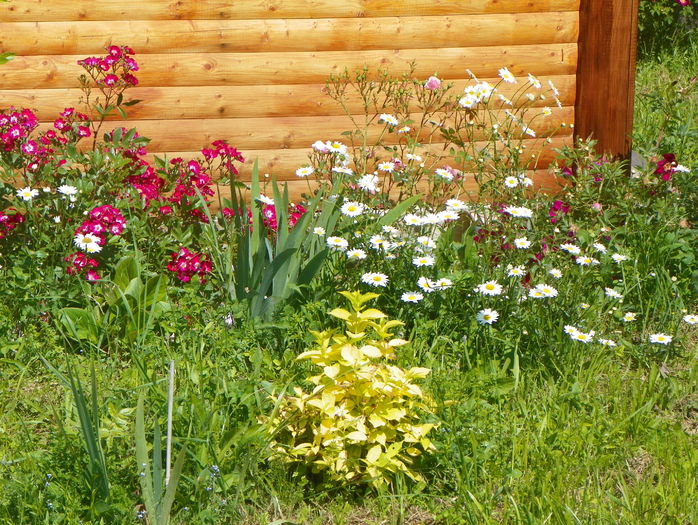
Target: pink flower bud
{"type": "Point", "coordinates": [432, 84]}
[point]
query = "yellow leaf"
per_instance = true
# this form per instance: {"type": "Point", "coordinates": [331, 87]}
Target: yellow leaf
{"type": "Point", "coordinates": [331, 371]}
{"type": "Point", "coordinates": [418, 372]}
{"type": "Point", "coordinates": [397, 342]}
{"type": "Point", "coordinates": [351, 354]}
{"type": "Point", "coordinates": [340, 313]}
{"type": "Point", "coordinates": [376, 420]}
{"type": "Point", "coordinates": [373, 454]}
{"type": "Point", "coordinates": [356, 436]}
{"type": "Point", "coordinates": [371, 351]}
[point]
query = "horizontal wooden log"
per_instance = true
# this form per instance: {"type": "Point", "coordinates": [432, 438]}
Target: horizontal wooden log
{"type": "Point", "coordinates": [214, 69]}
{"type": "Point", "coordinates": [299, 132]}
{"type": "Point", "coordinates": [242, 101]}
{"type": "Point", "coordinates": [283, 163]}
{"type": "Point", "coordinates": [57, 10]}
{"type": "Point", "coordinates": [328, 34]}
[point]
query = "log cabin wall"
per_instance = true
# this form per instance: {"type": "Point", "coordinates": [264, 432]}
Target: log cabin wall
{"type": "Point", "coordinates": [252, 71]}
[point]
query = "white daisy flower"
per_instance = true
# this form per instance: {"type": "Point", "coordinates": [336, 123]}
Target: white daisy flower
{"type": "Point", "coordinates": [67, 190]}
{"type": "Point", "coordinates": [505, 100]}
{"type": "Point", "coordinates": [305, 171]}
{"type": "Point", "coordinates": [536, 293]}
{"type": "Point", "coordinates": [378, 242]}
{"type": "Point", "coordinates": [506, 76]}
{"type": "Point", "coordinates": [511, 182]}
{"type": "Point", "coordinates": [571, 248]}
{"type": "Point", "coordinates": [534, 81]}
{"type": "Point", "coordinates": [444, 174]}
{"type": "Point", "coordinates": [585, 306]}
{"type": "Point", "coordinates": [599, 247]}
{"type": "Point", "coordinates": [388, 119]}
{"type": "Point", "coordinates": [426, 285]}
{"type": "Point", "coordinates": [571, 330]}
{"type": "Point", "coordinates": [368, 183]}
{"type": "Point", "coordinates": [547, 290]}
{"type": "Point", "coordinates": [356, 254]}
{"type": "Point", "coordinates": [265, 200]}
{"type": "Point", "coordinates": [411, 297]}
{"type": "Point", "coordinates": [607, 342]}
{"type": "Point", "coordinates": [412, 220]}
{"type": "Point", "coordinates": [27, 194]}
{"type": "Point", "coordinates": [447, 215]}
{"type": "Point", "coordinates": [352, 209]}
{"type": "Point", "coordinates": [528, 131]}
{"type": "Point", "coordinates": [516, 271]}
{"type": "Point", "coordinates": [337, 243]}
{"type": "Point", "coordinates": [413, 157]}
{"type": "Point", "coordinates": [390, 230]}
{"type": "Point", "coordinates": [546, 111]}
{"type": "Point", "coordinates": [426, 242]}
{"type": "Point", "coordinates": [487, 316]}
{"type": "Point", "coordinates": [424, 260]}
{"type": "Point", "coordinates": [584, 260]}
{"type": "Point", "coordinates": [555, 273]}
{"type": "Point", "coordinates": [443, 284]}
{"type": "Point", "coordinates": [610, 292]}
{"type": "Point", "coordinates": [336, 147]}
{"type": "Point", "coordinates": [343, 171]}
{"type": "Point", "coordinates": [386, 166]}
{"type": "Point", "coordinates": [469, 101]}
{"type": "Point", "coordinates": [661, 339]}
{"type": "Point", "coordinates": [629, 317]}
{"type": "Point", "coordinates": [489, 288]}
{"type": "Point", "coordinates": [92, 247]}
{"type": "Point", "coordinates": [82, 240]}
{"type": "Point", "coordinates": [522, 243]}
{"type": "Point", "coordinates": [617, 257]}
{"type": "Point", "coordinates": [455, 205]}
{"type": "Point", "coordinates": [584, 338]}
{"type": "Point", "coordinates": [518, 211]}
{"type": "Point", "coordinates": [690, 319]}
{"type": "Point", "coordinates": [375, 279]}
{"type": "Point", "coordinates": [319, 230]}
{"type": "Point", "coordinates": [483, 90]}
{"type": "Point", "coordinates": [320, 146]}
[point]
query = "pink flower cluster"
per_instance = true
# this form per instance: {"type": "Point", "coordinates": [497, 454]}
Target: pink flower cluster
{"type": "Point", "coordinates": [103, 220]}
{"type": "Point", "coordinates": [79, 262]}
{"type": "Point", "coordinates": [9, 219]}
{"type": "Point", "coordinates": [295, 212]}
{"type": "Point", "coordinates": [112, 71]}
{"type": "Point", "coordinates": [186, 264]}
{"type": "Point", "coordinates": [666, 167]}
{"type": "Point", "coordinates": [228, 154]}
{"type": "Point", "coordinates": [557, 208]}
{"type": "Point", "coordinates": [17, 126]}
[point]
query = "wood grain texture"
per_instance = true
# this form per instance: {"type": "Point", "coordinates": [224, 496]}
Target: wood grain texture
{"type": "Point", "coordinates": [208, 102]}
{"type": "Point", "coordinates": [215, 69]}
{"type": "Point", "coordinates": [333, 34]}
{"type": "Point", "coordinates": [606, 74]}
{"type": "Point", "coordinates": [292, 131]}
{"type": "Point", "coordinates": [283, 163]}
{"type": "Point", "coordinates": [60, 10]}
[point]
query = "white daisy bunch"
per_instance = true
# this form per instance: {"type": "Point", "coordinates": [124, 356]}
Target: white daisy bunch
{"type": "Point", "coordinates": [473, 95]}
{"type": "Point", "coordinates": [519, 211]}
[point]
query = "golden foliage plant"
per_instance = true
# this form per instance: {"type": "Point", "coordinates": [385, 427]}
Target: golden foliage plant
{"type": "Point", "coordinates": [361, 422]}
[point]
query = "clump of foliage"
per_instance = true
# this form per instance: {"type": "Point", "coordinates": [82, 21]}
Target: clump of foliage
{"type": "Point", "coordinates": [361, 421]}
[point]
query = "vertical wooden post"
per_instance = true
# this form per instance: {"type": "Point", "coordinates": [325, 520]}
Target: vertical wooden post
{"type": "Point", "coordinates": [606, 73]}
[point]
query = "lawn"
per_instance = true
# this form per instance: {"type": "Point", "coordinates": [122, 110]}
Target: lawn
{"type": "Point", "coordinates": [179, 347]}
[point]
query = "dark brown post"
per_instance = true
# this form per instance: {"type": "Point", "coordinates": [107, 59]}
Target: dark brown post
{"type": "Point", "coordinates": [606, 73]}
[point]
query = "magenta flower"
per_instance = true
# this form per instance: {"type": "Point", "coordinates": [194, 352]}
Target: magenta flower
{"type": "Point", "coordinates": [666, 167]}
{"type": "Point", "coordinates": [432, 83]}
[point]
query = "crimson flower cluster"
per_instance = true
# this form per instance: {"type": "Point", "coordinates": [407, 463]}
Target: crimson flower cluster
{"type": "Point", "coordinates": [112, 71]}
{"type": "Point", "coordinates": [9, 219]}
{"type": "Point", "coordinates": [15, 127]}
{"type": "Point", "coordinates": [557, 208]}
{"type": "Point", "coordinates": [186, 264]}
{"type": "Point", "coordinates": [103, 220]}
{"type": "Point", "coordinates": [79, 262]}
{"type": "Point", "coordinates": [666, 166]}
{"type": "Point", "coordinates": [224, 151]}
{"type": "Point", "coordinates": [295, 212]}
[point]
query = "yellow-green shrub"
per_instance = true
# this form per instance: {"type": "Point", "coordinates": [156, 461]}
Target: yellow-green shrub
{"type": "Point", "coordinates": [361, 422]}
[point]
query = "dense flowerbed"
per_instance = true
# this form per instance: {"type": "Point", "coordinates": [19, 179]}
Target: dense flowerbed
{"type": "Point", "coordinates": [120, 267]}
